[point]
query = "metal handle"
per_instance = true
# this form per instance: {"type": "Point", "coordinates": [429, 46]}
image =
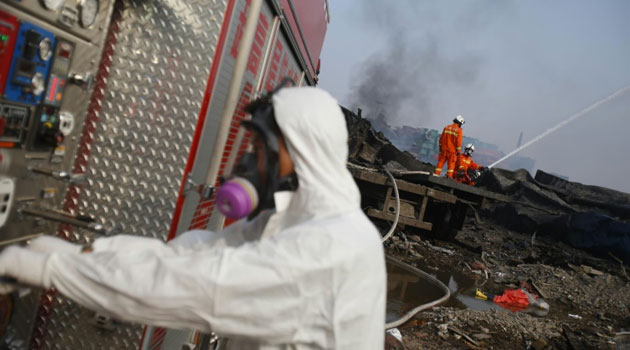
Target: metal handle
{"type": "Point", "coordinates": [69, 219]}
{"type": "Point", "coordinates": [85, 80]}
{"type": "Point", "coordinates": [19, 239]}
{"type": "Point", "coordinates": [74, 179]}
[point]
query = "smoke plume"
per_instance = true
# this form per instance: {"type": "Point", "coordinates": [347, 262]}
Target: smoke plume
{"type": "Point", "coordinates": [415, 70]}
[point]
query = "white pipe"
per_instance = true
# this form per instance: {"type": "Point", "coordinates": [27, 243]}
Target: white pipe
{"type": "Point", "coordinates": [269, 43]}
{"type": "Point", "coordinates": [240, 66]}
{"type": "Point", "coordinates": [393, 228]}
{"type": "Point", "coordinates": [301, 82]}
{"type": "Point", "coordinates": [417, 309]}
{"type": "Point", "coordinates": [20, 239]}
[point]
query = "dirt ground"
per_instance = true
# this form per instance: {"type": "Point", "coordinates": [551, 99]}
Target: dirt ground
{"type": "Point", "coordinates": [589, 297]}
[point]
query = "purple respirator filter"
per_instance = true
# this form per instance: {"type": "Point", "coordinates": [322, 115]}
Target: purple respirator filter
{"type": "Point", "coordinates": [237, 198]}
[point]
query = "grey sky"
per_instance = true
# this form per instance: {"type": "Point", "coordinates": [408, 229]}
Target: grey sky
{"type": "Point", "coordinates": [506, 66]}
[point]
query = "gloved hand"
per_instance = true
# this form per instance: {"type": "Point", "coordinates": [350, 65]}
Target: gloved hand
{"type": "Point", "coordinates": [50, 244]}
{"type": "Point", "coordinates": [7, 285]}
{"type": "Point", "coordinates": [24, 265]}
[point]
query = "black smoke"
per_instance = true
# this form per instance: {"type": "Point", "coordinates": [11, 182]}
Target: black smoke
{"type": "Point", "coordinates": [404, 81]}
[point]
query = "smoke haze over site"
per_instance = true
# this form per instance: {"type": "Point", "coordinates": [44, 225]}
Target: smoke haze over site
{"type": "Point", "coordinates": [506, 66]}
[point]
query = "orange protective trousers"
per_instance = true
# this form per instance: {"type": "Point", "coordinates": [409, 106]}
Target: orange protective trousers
{"type": "Point", "coordinates": [451, 158]}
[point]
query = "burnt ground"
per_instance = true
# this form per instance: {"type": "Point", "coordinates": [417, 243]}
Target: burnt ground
{"type": "Point", "coordinates": [589, 297]}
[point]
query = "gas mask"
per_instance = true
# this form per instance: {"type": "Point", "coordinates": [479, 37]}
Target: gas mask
{"type": "Point", "coordinates": [255, 178]}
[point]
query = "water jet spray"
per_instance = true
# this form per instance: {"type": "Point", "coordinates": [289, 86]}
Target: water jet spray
{"type": "Point", "coordinates": [565, 122]}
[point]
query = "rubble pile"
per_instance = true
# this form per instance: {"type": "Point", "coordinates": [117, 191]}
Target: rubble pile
{"type": "Point", "coordinates": [585, 197]}
{"type": "Point", "coordinates": [564, 241]}
{"type": "Point", "coordinates": [371, 148]}
{"type": "Point", "coordinates": [588, 297]}
{"type": "Point", "coordinates": [587, 217]}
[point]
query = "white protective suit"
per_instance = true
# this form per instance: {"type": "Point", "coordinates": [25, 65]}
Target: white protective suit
{"type": "Point", "coordinates": [310, 275]}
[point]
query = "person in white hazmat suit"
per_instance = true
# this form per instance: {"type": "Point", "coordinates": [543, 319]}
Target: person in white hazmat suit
{"type": "Point", "coordinates": [306, 272]}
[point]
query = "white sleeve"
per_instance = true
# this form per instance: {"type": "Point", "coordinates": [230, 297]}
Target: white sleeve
{"type": "Point", "coordinates": [234, 235]}
{"type": "Point", "coordinates": [199, 239]}
{"type": "Point", "coordinates": [50, 244]}
{"type": "Point", "coordinates": [190, 240]}
{"type": "Point", "coordinates": [250, 290]}
{"type": "Point", "coordinates": [126, 242]}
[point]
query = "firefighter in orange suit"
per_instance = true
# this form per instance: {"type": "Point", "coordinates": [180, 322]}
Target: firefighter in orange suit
{"type": "Point", "coordinates": [450, 146]}
{"type": "Point", "coordinates": [465, 162]}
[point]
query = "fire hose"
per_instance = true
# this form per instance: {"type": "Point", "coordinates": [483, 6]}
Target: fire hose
{"type": "Point", "coordinates": [422, 307]}
{"type": "Point", "coordinates": [395, 187]}
{"type": "Point", "coordinates": [416, 271]}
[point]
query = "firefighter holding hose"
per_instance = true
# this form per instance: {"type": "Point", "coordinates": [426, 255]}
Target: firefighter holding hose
{"type": "Point", "coordinates": [465, 165]}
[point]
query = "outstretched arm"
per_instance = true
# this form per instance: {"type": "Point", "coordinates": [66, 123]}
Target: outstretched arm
{"type": "Point", "coordinates": [474, 166]}
{"type": "Point", "coordinates": [231, 290]}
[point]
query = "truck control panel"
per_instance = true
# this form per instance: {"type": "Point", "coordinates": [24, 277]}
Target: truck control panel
{"type": "Point", "coordinates": [30, 64]}
{"type": "Point", "coordinates": [47, 47]}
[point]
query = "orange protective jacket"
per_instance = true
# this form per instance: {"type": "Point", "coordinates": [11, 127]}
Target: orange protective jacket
{"type": "Point", "coordinates": [451, 139]}
{"type": "Point", "coordinates": [464, 163]}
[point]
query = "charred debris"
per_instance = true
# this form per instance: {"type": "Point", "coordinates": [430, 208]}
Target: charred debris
{"type": "Point", "coordinates": [566, 242]}
{"type": "Point", "coordinates": [592, 218]}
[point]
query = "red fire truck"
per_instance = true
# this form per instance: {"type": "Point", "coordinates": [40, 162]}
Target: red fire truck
{"type": "Point", "coordinates": [120, 116]}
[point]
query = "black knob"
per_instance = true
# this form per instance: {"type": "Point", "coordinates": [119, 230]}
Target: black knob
{"type": "Point", "coordinates": [31, 44]}
{"type": "Point", "coordinates": [51, 137]}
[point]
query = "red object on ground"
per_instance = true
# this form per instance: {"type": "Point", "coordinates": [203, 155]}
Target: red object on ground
{"type": "Point", "coordinates": [512, 299]}
{"type": "Point", "coordinates": [478, 265]}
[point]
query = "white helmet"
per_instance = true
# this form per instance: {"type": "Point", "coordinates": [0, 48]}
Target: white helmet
{"type": "Point", "coordinates": [469, 149]}
{"type": "Point", "coordinates": [459, 120]}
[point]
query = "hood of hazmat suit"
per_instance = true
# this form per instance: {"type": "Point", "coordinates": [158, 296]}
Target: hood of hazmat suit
{"type": "Point", "coordinates": [308, 275]}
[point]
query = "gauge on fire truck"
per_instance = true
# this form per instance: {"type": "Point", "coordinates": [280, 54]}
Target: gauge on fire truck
{"type": "Point", "coordinates": [30, 64]}
{"type": "Point", "coordinates": [52, 5]}
{"type": "Point", "coordinates": [37, 84]}
{"type": "Point", "coordinates": [89, 11]}
{"type": "Point", "coordinates": [45, 49]}
{"type": "Point", "coordinates": [58, 77]}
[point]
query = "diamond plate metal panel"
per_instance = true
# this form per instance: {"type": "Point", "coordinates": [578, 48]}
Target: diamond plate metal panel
{"type": "Point", "coordinates": [135, 143]}
{"type": "Point", "coordinates": [148, 114]}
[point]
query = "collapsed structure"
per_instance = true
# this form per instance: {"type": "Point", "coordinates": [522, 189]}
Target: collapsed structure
{"type": "Point", "coordinates": [588, 217]}
{"type": "Point", "coordinates": [415, 199]}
